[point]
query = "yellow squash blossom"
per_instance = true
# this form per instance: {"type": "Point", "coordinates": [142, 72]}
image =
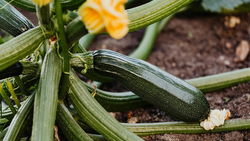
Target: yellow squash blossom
{"type": "Point", "coordinates": [105, 15]}
{"type": "Point", "coordinates": [42, 2]}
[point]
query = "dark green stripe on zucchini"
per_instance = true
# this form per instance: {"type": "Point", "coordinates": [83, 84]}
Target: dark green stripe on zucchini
{"type": "Point", "coordinates": [176, 97]}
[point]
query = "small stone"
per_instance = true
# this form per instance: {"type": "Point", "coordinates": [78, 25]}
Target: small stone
{"type": "Point", "coordinates": [231, 21]}
{"type": "Point", "coordinates": [221, 58]}
{"type": "Point", "coordinates": [227, 63]}
{"type": "Point", "coordinates": [242, 51]}
{"type": "Point", "coordinates": [112, 114]}
{"type": "Point", "coordinates": [228, 45]}
{"type": "Point", "coordinates": [133, 120]}
{"type": "Point", "coordinates": [104, 46]}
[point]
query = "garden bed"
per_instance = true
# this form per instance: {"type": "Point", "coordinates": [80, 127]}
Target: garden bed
{"type": "Point", "coordinates": [191, 47]}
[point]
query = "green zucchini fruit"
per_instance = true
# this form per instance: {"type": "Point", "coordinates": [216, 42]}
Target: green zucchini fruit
{"type": "Point", "coordinates": [94, 114]}
{"type": "Point", "coordinates": [176, 97]}
{"type": "Point", "coordinates": [12, 21]}
{"type": "Point", "coordinates": [69, 126]}
{"type": "Point", "coordinates": [114, 102]}
{"type": "Point", "coordinates": [21, 46]}
{"type": "Point", "coordinates": [46, 98]}
{"type": "Point", "coordinates": [20, 120]}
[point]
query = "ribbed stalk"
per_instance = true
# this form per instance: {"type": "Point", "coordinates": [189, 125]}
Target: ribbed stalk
{"type": "Point", "coordinates": [220, 81]}
{"type": "Point", "coordinates": [20, 120]}
{"type": "Point", "coordinates": [86, 40]}
{"type": "Point", "coordinates": [153, 11]}
{"type": "Point", "coordinates": [21, 46]}
{"type": "Point", "coordinates": [145, 129]}
{"type": "Point", "coordinates": [139, 17]}
{"type": "Point", "coordinates": [75, 30]}
{"type": "Point", "coordinates": [93, 113]}
{"type": "Point", "coordinates": [46, 98]}
{"type": "Point", "coordinates": [69, 126]}
{"type": "Point", "coordinates": [146, 45]}
{"type": "Point", "coordinates": [43, 15]}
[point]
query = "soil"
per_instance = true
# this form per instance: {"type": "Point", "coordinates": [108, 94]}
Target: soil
{"type": "Point", "coordinates": [190, 47]}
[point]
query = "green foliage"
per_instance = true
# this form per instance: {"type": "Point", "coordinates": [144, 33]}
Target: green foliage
{"type": "Point", "coordinates": [219, 5]}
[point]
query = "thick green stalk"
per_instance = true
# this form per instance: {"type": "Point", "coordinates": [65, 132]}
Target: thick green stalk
{"type": "Point", "coordinates": [139, 17]}
{"type": "Point", "coordinates": [153, 11]}
{"type": "Point", "coordinates": [147, 43]}
{"type": "Point", "coordinates": [20, 120]}
{"type": "Point", "coordinates": [44, 18]}
{"type": "Point", "coordinates": [64, 44]}
{"type": "Point", "coordinates": [145, 129]}
{"type": "Point", "coordinates": [86, 40]}
{"type": "Point", "coordinates": [75, 30]}
{"type": "Point", "coordinates": [163, 23]}
{"type": "Point", "coordinates": [69, 126]}
{"type": "Point", "coordinates": [220, 81]}
{"type": "Point", "coordinates": [46, 98]}
{"type": "Point", "coordinates": [94, 114]}
{"type": "Point", "coordinates": [7, 100]}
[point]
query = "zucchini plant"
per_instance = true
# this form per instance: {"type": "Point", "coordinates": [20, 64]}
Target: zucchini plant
{"type": "Point", "coordinates": [41, 64]}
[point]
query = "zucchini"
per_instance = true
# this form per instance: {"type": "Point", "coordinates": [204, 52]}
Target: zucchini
{"type": "Point", "coordinates": [94, 114]}
{"type": "Point", "coordinates": [24, 4]}
{"type": "Point", "coordinates": [176, 97]}
{"type": "Point", "coordinates": [46, 98]}
{"type": "Point", "coordinates": [21, 46]}
{"type": "Point", "coordinates": [13, 70]}
{"type": "Point", "coordinates": [20, 120]}
{"type": "Point", "coordinates": [12, 21]}
{"type": "Point", "coordinates": [69, 126]}
{"type": "Point", "coordinates": [114, 102]}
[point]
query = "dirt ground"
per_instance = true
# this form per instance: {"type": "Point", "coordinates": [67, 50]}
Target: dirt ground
{"type": "Point", "coordinates": [190, 47]}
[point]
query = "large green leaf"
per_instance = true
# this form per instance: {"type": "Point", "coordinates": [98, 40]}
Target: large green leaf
{"type": "Point", "coordinates": [218, 5]}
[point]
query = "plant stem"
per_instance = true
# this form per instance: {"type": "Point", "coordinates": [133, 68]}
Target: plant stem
{"type": "Point", "coordinates": [145, 129]}
{"type": "Point", "coordinates": [21, 85]}
{"type": "Point", "coordinates": [6, 98]}
{"type": "Point", "coordinates": [13, 94]}
{"type": "Point", "coordinates": [64, 44]}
